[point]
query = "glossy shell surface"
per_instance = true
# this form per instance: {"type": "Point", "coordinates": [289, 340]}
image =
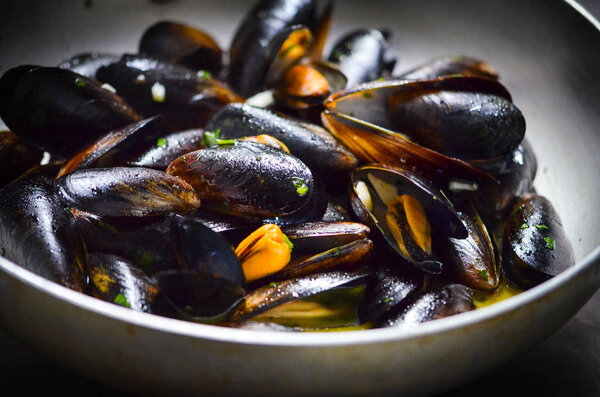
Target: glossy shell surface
{"type": "Point", "coordinates": [151, 349]}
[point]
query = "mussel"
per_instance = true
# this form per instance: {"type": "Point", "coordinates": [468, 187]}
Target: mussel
{"type": "Point", "coordinates": [16, 156]}
{"type": "Point", "coordinates": [251, 180]}
{"type": "Point", "coordinates": [188, 98]}
{"type": "Point", "coordinates": [363, 55]}
{"type": "Point", "coordinates": [448, 66]}
{"type": "Point", "coordinates": [126, 191]}
{"type": "Point", "coordinates": [535, 246]}
{"type": "Point", "coordinates": [38, 233]}
{"type": "Point", "coordinates": [58, 110]}
{"type": "Point", "coordinates": [87, 64]}
{"type": "Point", "coordinates": [406, 210]}
{"type": "Point", "coordinates": [182, 44]}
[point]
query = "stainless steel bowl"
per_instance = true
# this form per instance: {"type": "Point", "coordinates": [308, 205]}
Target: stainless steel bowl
{"type": "Point", "coordinates": [548, 55]}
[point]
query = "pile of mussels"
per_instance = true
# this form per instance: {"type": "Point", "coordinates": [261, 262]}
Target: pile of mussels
{"type": "Point", "coordinates": [209, 186]}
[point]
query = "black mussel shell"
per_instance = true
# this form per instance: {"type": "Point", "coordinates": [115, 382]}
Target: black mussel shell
{"type": "Point", "coordinates": [448, 66]}
{"type": "Point", "coordinates": [474, 261]}
{"type": "Point", "coordinates": [16, 157]}
{"type": "Point", "coordinates": [260, 37]}
{"type": "Point", "coordinates": [337, 210]}
{"type": "Point", "coordinates": [310, 143]}
{"type": "Point", "coordinates": [114, 279]}
{"type": "Point", "coordinates": [188, 98]}
{"type": "Point", "coordinates": [251, 180]}
{"type": "Point", "coordinates": [277, 293]}
{"type": "Point", "coordinates": [87, 64]}
{"type": "Point", "coordinates": [126, 191]}
{"type": "Point", "coordinates": [144, 242]}
{"type": "Point", "coordinates": [182, 44]}
{"type": "Point", "coordinates": [513, 174]}
{"type": "Point", "coordinates": [58, 110]}
{"type": "Point", "coordinates": [362, 55]}
{"type": "Point", "coordinates": [37, 233]}
{"type": "Point", "coordinates": [535, 246]}
{"type": "Point", "coordinates": [448, 301]}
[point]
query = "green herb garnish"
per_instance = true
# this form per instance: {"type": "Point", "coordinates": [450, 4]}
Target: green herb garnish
{"type": "Point", "coordinates": [272, 284]}
{"type": "Point", "coordinates": [79, 82]}
{"type": "Point", "coordinates": [68, 210]}
{"type": "Point", "coordinates": [542, 227]}
{"type": "Point", "coordinates": [335, 252]}
{"type": "Point", "coordinates": [516, 209]}
{"type": "Point", "coordinates": [182, 159]}
{"type": "Point", "coordinates": [549, 242]}
{"type": "Point", "coordinates": [161, 143]}
{"type": "Point", "coordinates": [446, 197]}
{"type": "Point", "coordinates": [225, 142]}
{"type": "Point", "coordinates": [483, 274]}
{"type": "Point", "coordinates": [226, 206]}
{"type": "Point", "coordinates": [144, 260]}
{"type": "Point", "coordinates": [387, 300]}
{"type": "Point", "coordinates": [300, 185]}
{"type": "Point", "coordinates": [524, 226]}
{"type": "Point", "coordinates": [121, 300]}
{"type": "Point", "coordinates": [380, 79]}
{"type": "Point", "coordinates": [188, 308]}
{"type": "Point", "coordinates": [204, 74]}
{"type": "Point", "coordinates": [288, 242]}
{"type": "Point", "coordinates": [211, 137]}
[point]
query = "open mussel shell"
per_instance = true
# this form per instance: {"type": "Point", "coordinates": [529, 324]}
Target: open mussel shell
{"type": "Point", "coordinates": [188, 98]}
{"type": "Point", "coordinates": [126, 191]}
{"type": "Point", "coordinates": [16, 156]}
{"type": "Point", "coordinates": [535, 246]}
{"type": "Point", "coordinates": [37, 233]}
{"type": "Point", "coordinates": [277, 293]}
{"type": "Point", "coordinates": [447, 301]}
{"type": "Point", "coordinates": [448, 66]}
{"type": "Point", "coordinates": [251, 180]}
{"type": "Point", "coordinates": [474, 260]}
{"type": "Point", "coordinates": [144, 242]}
{"type": "Point", "coordinates": [513, 174]}
{"type": "Point", "coordinates": [112, 148]}
{"type": "Point", "coordinates": [405, 209]}
{"type": "Point", "coordinates": [310, 143]}
{"type": "Point", "coordinates": [463, 117]}
{"type": "Point", "coordinates": [260, 38]}
{"type": "Point", "coordinates": [58, 110]}
{"type": "Point", "coordinates": [114, 279]}
{"type": "Point", "coordinates": [363, 55]}
{"type": "Point", "coordinates": [373, 144]}
{"type": "Point", "coordinates": [87, 64]}
{"type": "Point", "coordinates": [182, 44]}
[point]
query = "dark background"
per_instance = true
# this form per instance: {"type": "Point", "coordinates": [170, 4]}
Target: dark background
{"type": "Point", "coordinates": [567, 363]}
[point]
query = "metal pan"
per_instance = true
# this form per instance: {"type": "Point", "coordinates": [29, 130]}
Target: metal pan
{"type": "Point", "coordinates": [548, 55]}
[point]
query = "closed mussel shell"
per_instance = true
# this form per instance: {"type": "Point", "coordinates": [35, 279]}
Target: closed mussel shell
{"type": "Point", "coordinates": [535, 246]}
{"type": "Point", "coordinates": [448, 301]}
{"type": "Point", "coordinates": [16, 157]}
{"type": "Point", "coordinates": [362, 55]}
{"type": "Point", "coordinates": [37, 233]}
{"type": "Point", "coordinates": [126, 191]}
{"type": "Point", "coordinates": [58, 110]}
{"type": "Point", "coordinates": [251, 180]}
{"type": "Point", "coordinates": [209, 279]}
{"type": "Point", "coordinates": [405, 209]}
{"type": "Point", "coordinates": [87, 64]}
{"type": "Point", "coordinates": [310, 143]}
{"type": "Point", "coordinates": [182, 44]}
{"type": "Point", "coordinates": [114, 279]}
{"type": "Point", "coordinates": [188, 98]}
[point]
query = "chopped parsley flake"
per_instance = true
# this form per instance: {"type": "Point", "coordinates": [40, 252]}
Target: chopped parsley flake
{"type": "Point", "coordinates": [541, 227]}
{"type": "Point", "coordinates": [549, 242]}
{"type": "Point", "coordinates": [79, 82]}
{"type": "Point", "coordinates": [211, 137]}
{"type": "Point", "coordinates": [161, 143]}
{"type": "Point", "coordinates": [516, 209]}
{"type": "Point", "coordinates": [144, 260]}
{"type": "Point", "coordinates": [524, 226]}
{"type": "Point", "coordinates": [188, 308]}
{"type": "Point", "coordinates": [483, 274]}
{"type": "Point", "coordinates": [288, 242]}
{"type": "Point", "coordinates": [121, 300]}
{"type": "Point", "coordinates": [203, 74]}
{"type": "Point", "coordinates": [300, 185]}
{"type": "Point", "coordinates": [446, 197]}
{"type": "Point", "coordinates": [68, 210]}
{"type": "Point", "coordinates": [182, 159]}
{"type": "Point", "coordinates": [387, 300]}
{"type": "Point", "coordinates": [273, 284]}
{"type": "Point", "coordinates": [381, 79]}
{"type": "Point", "coordinates": [225, 142]}
{"type": "Point", "coordinates": [335, 252]}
